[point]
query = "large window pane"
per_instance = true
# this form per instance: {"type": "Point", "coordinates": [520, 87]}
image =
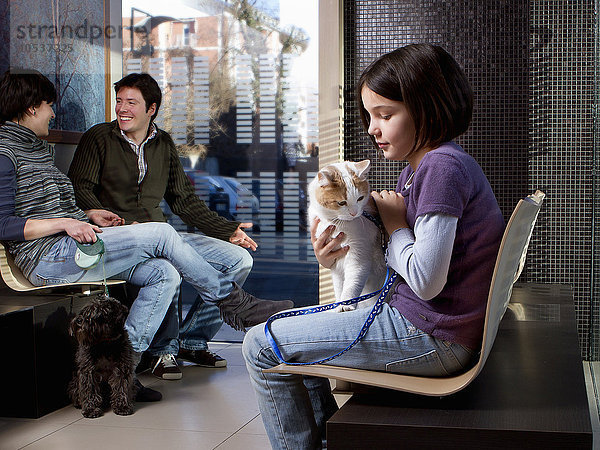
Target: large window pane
{"type": "Point", "coordinates": [239, 81]}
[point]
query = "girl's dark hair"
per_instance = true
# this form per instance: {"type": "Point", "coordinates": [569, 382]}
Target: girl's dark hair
{"type": "Point", "coordinates": [433, 87]}
{"type": "Point", "coordinates": [146, 85]}
{"type": "Point", "coordinates": [21, 89]}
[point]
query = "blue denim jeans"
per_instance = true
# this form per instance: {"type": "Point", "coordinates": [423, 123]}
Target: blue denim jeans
{"type": "Point", "coordinates": [203, 320]}
{"type": "Point", "coordinates": [150, 255]}
{"type": "Point", "coordinates": [295, 408]}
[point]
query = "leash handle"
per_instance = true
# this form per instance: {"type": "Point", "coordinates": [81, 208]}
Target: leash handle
{"type": "Point", "coordinates": [383, 291]}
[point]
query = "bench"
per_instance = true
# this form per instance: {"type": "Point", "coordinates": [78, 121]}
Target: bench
{"type": "Point", "coordinates": [530, 395]}
{"type": "Point", "coordinates": [38, 352]}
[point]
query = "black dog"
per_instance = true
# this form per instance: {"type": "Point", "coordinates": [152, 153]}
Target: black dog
{"type": "Point", "coordinates": [104, 359]}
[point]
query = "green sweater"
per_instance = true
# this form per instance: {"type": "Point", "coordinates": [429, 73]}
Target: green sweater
{"type": "Point", "coordinates": [104, 173]}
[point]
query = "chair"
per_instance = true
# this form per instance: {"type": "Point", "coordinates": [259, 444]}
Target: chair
{"type": "Point", "coordinates": [15, 280]}
{"type": "Point", "coordinates": [509, 264]}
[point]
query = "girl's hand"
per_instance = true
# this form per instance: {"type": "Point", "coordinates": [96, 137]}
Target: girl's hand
{"type": "Point", "coordinates": [324, 252]}
{"type": "Point", "coordinates": [82, 232]}
{"type": "Point", "coordinates": [239, 237]}
{"type": "Point", "coordinates": [392, 210]}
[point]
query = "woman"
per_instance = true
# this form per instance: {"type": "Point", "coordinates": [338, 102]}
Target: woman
{"type": "Point", "coordinates": [445, 228]}
{"type": "Point", "coordinates": [41, 225]}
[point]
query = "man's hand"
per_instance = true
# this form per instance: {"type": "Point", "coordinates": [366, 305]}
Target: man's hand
{"type": "Point", "coordinates": [239, 237]}
{"type": "Point", "coordinates": [323, 247]}
{"type": "Point", "coordinates": [392, 210]}
{"type": "Point", "coordinates": [104, 218]}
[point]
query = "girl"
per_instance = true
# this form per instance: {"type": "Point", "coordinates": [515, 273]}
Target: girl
{"type": "Point", "coordinates": [445, 228]}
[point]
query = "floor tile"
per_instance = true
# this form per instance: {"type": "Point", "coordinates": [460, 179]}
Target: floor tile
{"type": "Point", "coordinates": [241, 441]}
{"type": "Point", "coordinates": [106, 438]}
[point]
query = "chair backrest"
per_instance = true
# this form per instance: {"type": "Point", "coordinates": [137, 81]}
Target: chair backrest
{"type": "Point", "coordinates": [509, 264]}
{"type": "Point", "coordinates": [14, 278]}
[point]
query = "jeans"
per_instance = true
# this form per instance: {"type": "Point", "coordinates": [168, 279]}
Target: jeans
{"type": "Point", "coordinates": [295, 408]}
{"type": "Point", "coordinates": [151, 255]}
{"type": "Point", "coordinates": [203, 320]}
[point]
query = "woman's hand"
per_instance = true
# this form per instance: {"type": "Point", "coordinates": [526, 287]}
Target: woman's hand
{"type": "Point", "coordinates": [324, 252]}
{"type": "Point", "coordinates": [392, 210]}
{"type": "Point", "coordinates": [81, 231]}
{"type": "Point", "coordinates": [239, 237]}
{"type": "Point", "coordinates": [104, 218]}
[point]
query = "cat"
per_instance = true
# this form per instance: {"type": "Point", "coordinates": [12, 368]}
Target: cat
{"type": "Point", "coordinates": [338, 195]}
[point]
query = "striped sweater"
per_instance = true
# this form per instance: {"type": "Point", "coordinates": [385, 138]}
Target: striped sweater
{"type": "Point", "coordinates": [43, 191]}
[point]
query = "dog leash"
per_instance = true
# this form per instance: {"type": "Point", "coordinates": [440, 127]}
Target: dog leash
{"type": "Point", "coordinates": [383, 291]}
{"type": "Point", "coordinates": [88, 256]}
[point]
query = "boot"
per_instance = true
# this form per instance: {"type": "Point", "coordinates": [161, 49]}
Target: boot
{"type": "Point", "coordinates": [241, 310]}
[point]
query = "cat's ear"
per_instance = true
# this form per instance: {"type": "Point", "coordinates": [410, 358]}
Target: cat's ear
{"type": "Point", "coordinates": [324, 176]}
{"type": "Point", "coordinates": [362, 168]}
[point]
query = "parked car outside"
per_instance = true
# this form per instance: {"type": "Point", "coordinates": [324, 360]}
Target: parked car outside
{"type": "Point", "coordinates": [242, 204]}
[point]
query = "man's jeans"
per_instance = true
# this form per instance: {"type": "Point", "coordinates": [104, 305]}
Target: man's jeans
{"type": "Point", "coordinates": [150, 255]}
{"type": "Point", "coordinates": [295, 408]}
{"type": "Point", "coordinates": [203, 320]}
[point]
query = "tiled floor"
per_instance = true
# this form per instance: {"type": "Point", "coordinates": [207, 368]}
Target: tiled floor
{"type": "Point", "coordinates": [207, 409]}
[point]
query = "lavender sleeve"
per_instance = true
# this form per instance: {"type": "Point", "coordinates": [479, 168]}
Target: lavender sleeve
{"type": "Point", "coordinates": [12, 227]}
{"type": "Point", "coordinates": [423, 258]}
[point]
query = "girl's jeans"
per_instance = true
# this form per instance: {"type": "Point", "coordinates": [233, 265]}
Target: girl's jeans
{"type": "Point", "coordinates": [295, 408]}
{"type": "Point", "coordinates": [151, 255]}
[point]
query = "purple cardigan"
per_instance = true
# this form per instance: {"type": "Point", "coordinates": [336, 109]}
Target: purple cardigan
{"type": "Point", "coordinates": [450, 181]}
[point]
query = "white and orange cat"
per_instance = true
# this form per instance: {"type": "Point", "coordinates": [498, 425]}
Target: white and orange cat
{"type": "Point", "coordinates": [338, 195]}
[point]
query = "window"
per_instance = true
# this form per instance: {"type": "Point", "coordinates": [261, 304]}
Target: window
{"type": "Point", "coordinates": [240, 100]}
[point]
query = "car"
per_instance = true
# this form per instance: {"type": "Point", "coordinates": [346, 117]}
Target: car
{"type": "Point", "coordinates": [227, 196]}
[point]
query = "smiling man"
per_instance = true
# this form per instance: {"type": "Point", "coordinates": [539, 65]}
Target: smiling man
{"type": "Point", "coordinates": [128, 166]}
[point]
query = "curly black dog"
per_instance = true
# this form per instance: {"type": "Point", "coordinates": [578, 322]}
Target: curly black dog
{"type": "Point", "coordinates": [104, 359]}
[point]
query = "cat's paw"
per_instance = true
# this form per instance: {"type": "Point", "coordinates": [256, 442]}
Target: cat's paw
{"type": "Point", "coordinates": [344, 308]}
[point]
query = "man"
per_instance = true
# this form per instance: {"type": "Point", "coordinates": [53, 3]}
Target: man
{"type": "Point", "coordinates": [128, 166]}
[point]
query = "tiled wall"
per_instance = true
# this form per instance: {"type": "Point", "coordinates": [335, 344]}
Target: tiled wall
{"type": "Point", "coordinates": [531, 64]}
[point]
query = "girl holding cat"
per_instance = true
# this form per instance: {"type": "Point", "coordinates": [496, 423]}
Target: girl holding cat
{"type": "Point", "coordinates": [445, 228]}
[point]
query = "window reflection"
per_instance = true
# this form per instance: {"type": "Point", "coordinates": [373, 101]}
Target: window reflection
{"type": "Point", "coordinates": [239, 82]}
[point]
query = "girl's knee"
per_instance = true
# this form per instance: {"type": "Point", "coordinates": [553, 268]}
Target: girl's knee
{"type": "Point", "coordinates": [253, 342]}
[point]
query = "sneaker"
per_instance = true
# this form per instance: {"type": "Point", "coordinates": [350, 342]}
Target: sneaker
{"type": "Point", "coordinates": [202, 358]}
{"type": "Point", "coordinates": [241, 309]}
{"type": "Point", "coordinates": [145, 394]}
{"type": "Point", "coordinates": [166, 368]}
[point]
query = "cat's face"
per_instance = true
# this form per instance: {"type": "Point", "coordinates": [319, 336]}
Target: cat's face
{"type": "Point", "coordinates": [342, 189]}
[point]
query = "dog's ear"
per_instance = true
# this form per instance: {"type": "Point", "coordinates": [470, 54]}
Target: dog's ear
{"type": "Point", "coordinates": [75, 325]}
{"type": "Point", "coordinates": [123, 313]}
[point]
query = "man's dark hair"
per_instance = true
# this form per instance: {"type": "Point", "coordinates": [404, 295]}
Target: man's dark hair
{"type": "Point", "coordinates": [146, 85]}
{"type": "Point", "coordinates": [21, 89]}
{"type": "Point", "coordinates": [433, 87]}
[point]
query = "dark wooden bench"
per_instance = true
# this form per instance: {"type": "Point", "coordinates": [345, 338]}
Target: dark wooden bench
{"type": "Point", "coordinates": [530, 395]}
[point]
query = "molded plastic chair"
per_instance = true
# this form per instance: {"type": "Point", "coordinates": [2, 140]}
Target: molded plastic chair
{"type": "Point", "coordinates": [509, 264]}
{"type": "Point", "coordinates": [15, 280]}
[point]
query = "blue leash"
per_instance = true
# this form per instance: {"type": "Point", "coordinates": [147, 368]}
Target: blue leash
{"type": "Point", "coordinates": [383, 291]}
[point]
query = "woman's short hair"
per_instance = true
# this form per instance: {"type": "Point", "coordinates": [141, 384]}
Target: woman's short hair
{"type": "Point", "coordinates": [147, 86]}
{"type": "Point", "coordinates": [430, 83]}
{"type": "Point", "coordinates": [20, 89]}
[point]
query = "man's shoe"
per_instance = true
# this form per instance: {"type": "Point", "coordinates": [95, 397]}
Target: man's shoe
{"type": "Point", "coordinates": [165, 367]}
{"type": "Point", "coordinates": [145, 394]}
{"type": "Point", "coordinates": [241, 309]}
{"type": "Point", "coordinates": [145, 363]}
{"type": "Point", "coordinates": [203, 358]}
